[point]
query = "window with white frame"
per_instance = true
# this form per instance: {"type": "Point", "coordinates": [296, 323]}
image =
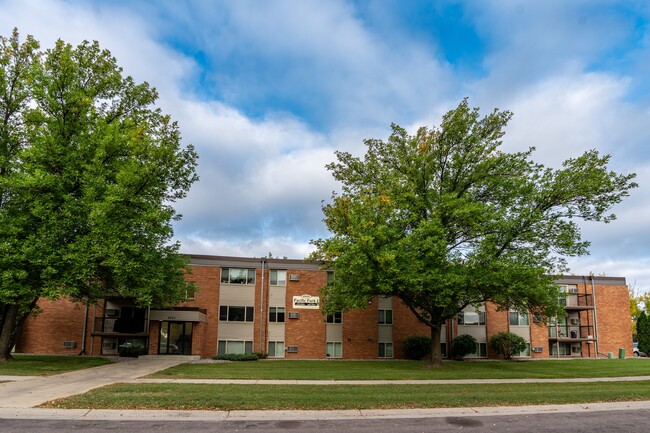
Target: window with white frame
{"type": "Point", "coordinates": [278, 277]}
{"type": "Point", "coordinates": [385, 317]}
{"type": "Point", "coordinates": [336, 317]}
{"type": "Point", "coordinates": [230, 313]}
{"type": "Point", "coordinates": [237, 276]}
{"type": "Point", "coordinates": [525, 352]}
{"type": "Point", "coordinates": [518, 319]}
{"type": "Point", "coordinates": [480, 352]}
{"type": "Point", "coordinates": [276, 349]}
{"type": "Point", "coordinates": [276, 314]}
{"type": "Point", "coordinates": [385, 350]}
{"type": "Point", "coordinates": [334, 349]}
{"type": "Point", "coordinates": [471, 318]}
{"type": "Point", "coordinates": [225, 347]}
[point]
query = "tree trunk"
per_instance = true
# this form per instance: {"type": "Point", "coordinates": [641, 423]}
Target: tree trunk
{"type": "Point", "coordinates": [436, 355]}
{"type": "Point", "coordinates": [7, 333]}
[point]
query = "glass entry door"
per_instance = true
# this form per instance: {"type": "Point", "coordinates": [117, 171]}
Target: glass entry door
{"type": "Point", "coordinates": [175, 338]}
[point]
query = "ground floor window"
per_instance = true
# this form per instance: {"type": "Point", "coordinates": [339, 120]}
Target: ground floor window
{"type": "Point", "coordinates": [525, 352]}
{"type": "Point", "coordinates": [175, 338]}
{"type": "Point", "coordinates": [226, 347]}
{"type": "Point", "coordinates": [130, 342]}
{"type": "Point", "coordinates": [276, 349]}
{"type": "Point", "coordinates": [334, 349]}
{"type": "Point", "coordinates": [480, 352]}
{"type": "Point", "coordinates": [564, 349]}
{"type": "Point", "coordinates": [443, 350]}
{"type": "Point", "coordinates": [385, 350]}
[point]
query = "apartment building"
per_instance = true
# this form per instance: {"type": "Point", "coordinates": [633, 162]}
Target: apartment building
{"type": "Point", "coordinates": [246, 305]}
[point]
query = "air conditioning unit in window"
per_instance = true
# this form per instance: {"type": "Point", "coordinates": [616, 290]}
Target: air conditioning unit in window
{"type": "Point", "coordinates": [538, 349]}
{"type": "Point", "coordinates": [69, 344]}
{"type": "Point", "coordinates": [294, 315]}
{"type": "Point", "coordinates": [294, 277]}
{"type": "Point", "coordinates": [112, 312]}
{"type": "Point", "coordinates": [292, 349]}
{"type": "Point", "coordinates": [573, 290]}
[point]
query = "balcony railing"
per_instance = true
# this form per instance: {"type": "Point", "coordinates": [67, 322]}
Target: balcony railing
{"type": "Point", "coordinates": [112, 325]}
{"type": "Point", "coordinates": [581, 300]}
{"type": "Point", "coordinates": [571, 332]}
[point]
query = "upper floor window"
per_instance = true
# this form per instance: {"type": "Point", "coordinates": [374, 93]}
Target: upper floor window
{"type": "Point", "coordinates": [278, 277]}
{"type": "Point", "coordinates": [229, 313]}
{"type": "Point", "coordinates": [385, 317]}
{"type": "Point", "coordinates": [276, 314]}
{"type": "Point", "coordinates": [471, 318]}
{"type": "Point", "coordinates": [237, 276]}
{"type": "Point", "coordinates": [336, 317]}
{"type": "Point", "coordinates": [518, 319]}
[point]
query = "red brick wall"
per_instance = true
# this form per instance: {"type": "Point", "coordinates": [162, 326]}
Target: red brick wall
{"type": "Point", "coordinates": [613, 315]}
{"type": "Point", "coordinates": [360, 333]}
{"type": "Point", "coordinates": [307, 332]}
{"type": "Point", "coordinates": [405, 324]}
{"type": "Point", "coordinates": [59, 321]}
{"type": "Point", "coordinates": [207, 278]}
{"type": "Point", "coordinates": [495, 321]}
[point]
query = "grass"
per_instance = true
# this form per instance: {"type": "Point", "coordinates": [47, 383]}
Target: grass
{"type": "Point", "coordinates": [400, 370]}
{"type": "Point", "coordinates": [45, 365]}
{"type": "Point", "coordinates": [287, 397]}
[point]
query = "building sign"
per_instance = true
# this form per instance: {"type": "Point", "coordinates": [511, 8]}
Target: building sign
{"type": "Point", "coordinates": [306, 301]}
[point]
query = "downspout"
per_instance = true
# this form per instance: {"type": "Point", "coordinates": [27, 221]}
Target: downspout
{"type": "Point", "coordinates": [262, 317]}
{"type": "Point", "coordinates": [593, 294]}
{"type": "Point", "coordinates": [83, 336]}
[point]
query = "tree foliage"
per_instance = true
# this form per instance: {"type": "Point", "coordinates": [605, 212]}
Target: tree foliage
{"type": "Point", "coordinates": [507, 344]}
{"type": "Point", "coordinates": [89, 170]}
{"type": "Point", "coordinates": [643, 332]}
{"type": "Point", "coordinates": [445, 219]}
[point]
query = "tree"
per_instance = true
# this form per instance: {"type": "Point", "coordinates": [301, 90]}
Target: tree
{"type": "Point", "coordinates": [445, 219]}
{"type": "Point", "coordinates": [89, 170]}
{"type": "Point", "coordinates": [643, 332]}
{"type": "Point", "coordinates": [507, 344]}
{"type": "Point", "coordinates": [638, 302]}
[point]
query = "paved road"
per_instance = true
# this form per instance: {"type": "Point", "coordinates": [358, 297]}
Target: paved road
{"type": "Point", "coordinates": [605, 421]}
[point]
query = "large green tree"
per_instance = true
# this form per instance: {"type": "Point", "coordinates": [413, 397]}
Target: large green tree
{"type": "Point", "coordinates": [445, 219]}
{"type": "Point", "coordinates": [89, 170]}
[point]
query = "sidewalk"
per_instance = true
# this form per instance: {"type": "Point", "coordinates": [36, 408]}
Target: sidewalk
{"type": "Point", "coordinates": [20, 395]}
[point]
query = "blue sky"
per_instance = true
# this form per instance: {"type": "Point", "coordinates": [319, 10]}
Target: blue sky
{"type": "Point", "coordinates": [268, 90]}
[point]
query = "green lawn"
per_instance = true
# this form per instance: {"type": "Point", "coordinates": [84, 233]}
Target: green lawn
{"type": "Point", "coordinates": [271, 397]}
{"type": "Point", "coordinates": [44, 365]}
{"type": "Point", "coordinates": [398, 370]}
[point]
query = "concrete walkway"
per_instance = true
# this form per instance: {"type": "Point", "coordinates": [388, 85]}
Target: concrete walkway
{"type": "Point", "coordinates": [19, 396]}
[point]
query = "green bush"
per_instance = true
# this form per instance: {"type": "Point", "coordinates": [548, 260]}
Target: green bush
{"type": "Point", "coordinates": [261, 355]}
{"type": "Point", "coordinates": [237, 357]}
{"type": "Point", "coordinates": [462, 346]}
{"type": "Point", "coordinates": [417, 347]}
{"type": "Point", "coordinates": [507, 344]}
{"type": "Point", "coordinates": [132, 351]}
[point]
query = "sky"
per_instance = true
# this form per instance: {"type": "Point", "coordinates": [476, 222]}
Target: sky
{"type": "Point", "coordinates": [268, 90]}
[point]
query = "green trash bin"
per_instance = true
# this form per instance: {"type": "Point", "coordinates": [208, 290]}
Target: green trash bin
{"type": "Point", "coordinates": [610, 355]}
{"type": "Point", "coordinates": [621, 353]}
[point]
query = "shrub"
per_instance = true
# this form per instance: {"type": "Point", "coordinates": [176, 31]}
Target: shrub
{"type": "Point", "coordinates": [417, 347]}
{"type": "Point", "coordinates": [507, 344]}
{"type": "Point", "coordinates": [261, 355]}
{"type": "Point", "coordinates": [462, 346]}
{"type": "Point", "coordinates": [237, 357]}
{"type": "Point", "coordinates": [132, 351]}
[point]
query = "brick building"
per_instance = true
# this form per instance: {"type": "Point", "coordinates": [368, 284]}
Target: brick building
{"type": "Point", "coordinates": [272, 305]}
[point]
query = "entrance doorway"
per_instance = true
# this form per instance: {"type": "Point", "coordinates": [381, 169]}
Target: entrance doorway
{"type": "Point", "coordinates": [175, 338]}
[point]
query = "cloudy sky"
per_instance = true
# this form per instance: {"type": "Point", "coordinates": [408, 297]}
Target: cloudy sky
{"type": "Point", "coordinates": [268, 90]}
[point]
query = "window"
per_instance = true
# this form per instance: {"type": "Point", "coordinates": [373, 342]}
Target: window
{"type": "Point", "coordinates": [480, 352]}
{"type": "Point", "coordinates": [525, 352]}
{"type": "Point", "coordinates": [276, 314]}
{"type": "Point", "coordinates": [385, 350]}
{"type": "Point", "coordinates": [278, 277]}
{"type": "Point", "coordinates": [471, 318]}
{"type": "Point", "coordinates": [276, 349]}
{"type": "Point", "coordinates": [225, 347]}
{"type": "Point", "coordinates": [190, 293]}
{"type": "Point", "coordinates": [565, 348]}
{"type": "Point", "coordinates": [385, 317]}
{"type": "Point", "coordinates": [334, 349]}
{"type": "Point", "coordinates": [330, 277]}
{"type": "Point", "coordinates": [518, 319]}
{"type": "Point", "coordinates": [334, 318]}
{"type": "Point", "coordinates": [237, 276]}
{"type": "Point", "coordinates": [229, 313]}
{"type": "Point", "coordinates": [443, 350]}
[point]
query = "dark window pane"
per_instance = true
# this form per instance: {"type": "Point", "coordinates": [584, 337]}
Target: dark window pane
{"type": "Point", "coordinates": [223, 313]}
{"type": "Point", "coordinates": [236, 314]}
